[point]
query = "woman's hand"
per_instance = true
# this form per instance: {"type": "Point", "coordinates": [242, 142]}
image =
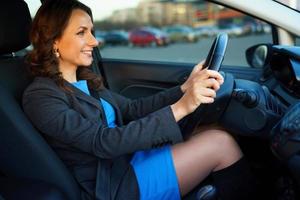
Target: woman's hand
{"type": "Point", "coordinates": [200, 87]}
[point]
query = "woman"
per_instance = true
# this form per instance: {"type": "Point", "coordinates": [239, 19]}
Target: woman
{"type": "Point", "coordinates": [117, 148]}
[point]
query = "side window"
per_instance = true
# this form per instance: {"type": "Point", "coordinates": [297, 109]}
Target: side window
{"type": "Point", "coordinates": [33, 6]}
{"type": "Point", "coordinates": [186, 31]}
{"type": "Point", "coordinates": [298, 41]}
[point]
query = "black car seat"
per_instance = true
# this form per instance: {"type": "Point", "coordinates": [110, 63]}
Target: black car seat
{"type": "Point", "coordinates": [23, 151]}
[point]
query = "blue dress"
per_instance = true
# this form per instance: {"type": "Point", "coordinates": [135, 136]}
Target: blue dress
{"type": "Point", "coordinates": [154, 169]}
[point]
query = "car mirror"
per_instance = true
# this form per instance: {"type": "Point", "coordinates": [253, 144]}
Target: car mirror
{"type": "Point", "coordinates": [258, 56]}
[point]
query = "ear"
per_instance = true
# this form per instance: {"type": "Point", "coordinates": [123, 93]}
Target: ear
{"type": "Point", "coordinates": [55, 44]}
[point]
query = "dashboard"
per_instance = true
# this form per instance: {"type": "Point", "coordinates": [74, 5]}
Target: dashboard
{"type": "Point", "coordinates": [260, 105]}
{"type": "Point", "coordinates": [284, 63]}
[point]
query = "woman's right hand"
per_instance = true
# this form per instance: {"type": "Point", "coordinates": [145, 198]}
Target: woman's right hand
{"type": "Point", "coordinates": [200, 88]}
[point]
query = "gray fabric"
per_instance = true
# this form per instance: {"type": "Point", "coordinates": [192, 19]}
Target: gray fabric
{"type": "Point", "coordinates": [98, 156]}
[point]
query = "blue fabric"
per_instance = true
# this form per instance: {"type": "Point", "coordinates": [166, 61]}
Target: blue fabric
{"type": "Point", "coordinates": [154, 169]}
{"type": "Point", "coordinates": [82, 85]}
{"type": "Point", "coordinates": [108, 109]}
{"type": "Point", "coordinates": [109, 113]}
{"type": "Point", "coordinates": [156, 175]}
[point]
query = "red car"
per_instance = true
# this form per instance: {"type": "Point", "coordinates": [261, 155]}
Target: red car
{"type": "Point", "coordinates": [148, 37]}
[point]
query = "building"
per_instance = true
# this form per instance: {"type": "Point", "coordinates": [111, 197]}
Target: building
{"type": "Point", "coordinates": [155, 13]}
{"type": "Point", "coordinates": [124, 15]}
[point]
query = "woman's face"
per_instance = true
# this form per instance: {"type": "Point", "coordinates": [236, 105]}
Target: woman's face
{"type": "Point", "coordinates": [76, 43]}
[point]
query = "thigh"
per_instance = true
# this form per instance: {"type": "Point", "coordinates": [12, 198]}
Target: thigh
{"type": "Point", "coordinates": [203, 153]}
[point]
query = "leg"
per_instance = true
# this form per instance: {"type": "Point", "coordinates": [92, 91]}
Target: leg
{"type": "Point", "coordinates": [206, 152]}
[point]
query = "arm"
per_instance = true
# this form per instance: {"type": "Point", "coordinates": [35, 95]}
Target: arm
{"type": "Point", "coordinates": [199, 88]}
{"type": "Point", "coordinates": [135, 109]}
{"type": "Point", "coordinates": [50, 112]}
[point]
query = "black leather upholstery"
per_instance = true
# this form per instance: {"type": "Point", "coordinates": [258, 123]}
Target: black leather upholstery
{"type": "Point", "coordinates": [23, 151]}
{"type": "Point", "coordinates": [16, 189]}
{"type": "Point", "coordinates": [15, 23]}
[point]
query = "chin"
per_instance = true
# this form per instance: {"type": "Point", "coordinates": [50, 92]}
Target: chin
{"type": "Point", "coordinates": [86, 64]}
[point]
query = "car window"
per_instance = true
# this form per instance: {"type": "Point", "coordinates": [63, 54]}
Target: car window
{"type": "Point", "coordinates": [187, 30]}
{"type": "Point", "coordinates": [33, 6]}
{"type": "Point", "coordinates": [297, 41]}
{"type": "Point", "coordinates": [172, 32]}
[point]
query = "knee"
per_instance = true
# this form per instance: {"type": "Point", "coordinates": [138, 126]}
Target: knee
{"type": "Point", "coordinates": [220, 140]}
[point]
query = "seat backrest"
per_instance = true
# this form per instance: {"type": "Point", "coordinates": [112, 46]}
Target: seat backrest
{"type": "Point", "coordinates": [23, 151]}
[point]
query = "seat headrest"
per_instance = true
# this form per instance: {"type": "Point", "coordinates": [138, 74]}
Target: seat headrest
{"type": "Point", "coordinates": [15, 22]}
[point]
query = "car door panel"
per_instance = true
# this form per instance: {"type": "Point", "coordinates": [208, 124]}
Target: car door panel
{"type": "Point", "coordinates": [142, 78]}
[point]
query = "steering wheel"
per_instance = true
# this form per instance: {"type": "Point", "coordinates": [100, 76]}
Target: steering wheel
{"type": "Point", "coordinates": [213, 62]}
{"type": "Point", "coordinates": [216, 53]}
{"type": "Point", "coordinates": [257, 108]}
{"type": "Point", "coordinates": [261, 110]}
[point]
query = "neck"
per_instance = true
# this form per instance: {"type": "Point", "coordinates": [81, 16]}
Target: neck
{"type": "Point", "coordinates": [69, 74]}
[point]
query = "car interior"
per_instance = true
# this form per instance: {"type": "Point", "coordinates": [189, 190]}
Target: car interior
{"type": "Point", "coordinates": [243, 105]}
{"type": "Point", "coordinates": [24, 153]}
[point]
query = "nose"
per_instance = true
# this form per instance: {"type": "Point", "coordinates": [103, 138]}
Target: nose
{"type": "Point", "coordinates": [93, 41]}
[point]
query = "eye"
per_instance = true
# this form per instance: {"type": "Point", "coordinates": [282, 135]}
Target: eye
{"type": "Point", "coordinates": [81, 32]}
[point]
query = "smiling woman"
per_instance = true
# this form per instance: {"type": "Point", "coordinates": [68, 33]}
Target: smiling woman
{"type": "Point", "coordinates": [75, 46]}
{"type": "Point", "coordinates": [108, 141]}
{"type": "Point", "coordinates": [62, 50]}
{"type": "Point", "coordinates": [109, 146]}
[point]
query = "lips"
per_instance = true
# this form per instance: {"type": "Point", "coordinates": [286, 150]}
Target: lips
{"type": "Point", "coordinates": [87, 52]}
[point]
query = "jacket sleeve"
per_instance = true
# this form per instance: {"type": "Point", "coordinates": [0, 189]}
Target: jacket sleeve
{"type": "Point", "coordinates": [50, 112]}
{"type": "Point", "coordinates": [135, 109]}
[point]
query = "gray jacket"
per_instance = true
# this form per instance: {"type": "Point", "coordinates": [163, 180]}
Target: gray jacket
{"type": "Point", "coordinates": [99, 157]}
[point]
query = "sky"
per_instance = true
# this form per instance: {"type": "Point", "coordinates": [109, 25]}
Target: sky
{"type": "Point", "coordinates": [100, 8]}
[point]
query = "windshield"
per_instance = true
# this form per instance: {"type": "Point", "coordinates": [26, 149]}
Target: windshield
{"type": "Point", "coordinates": [295, 4]}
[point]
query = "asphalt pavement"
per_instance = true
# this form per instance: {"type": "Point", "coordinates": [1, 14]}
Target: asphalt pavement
{"type": "Point", "coordinates": [188, 52]}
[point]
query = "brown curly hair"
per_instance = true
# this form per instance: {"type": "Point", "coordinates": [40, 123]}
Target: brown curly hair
{"type": "Point", "coordinates": [48, 25]}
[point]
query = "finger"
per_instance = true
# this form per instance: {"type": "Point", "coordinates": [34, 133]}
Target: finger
{"type": "Point", "coordinates": [212, 83]}
{"type": "Point", "coordinates": [208, 83]}
{"type": "Point", "coordinates": [207, 92]}
{"type": "Point", "coordinates": [198, 67]}
{"type": "Point", "coordinates": [203, 74]}
{"type": "Point", "coordinates": [216, 75]}
{"type": "Point", "coordinates": [207, 100]}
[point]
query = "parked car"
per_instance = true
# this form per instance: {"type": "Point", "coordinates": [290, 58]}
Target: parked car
{"type": "Point", "coordinates": [181, 33]}
{"type": "Point", "coordinates": [148, 37]}
{"type": "Point", "coordinates": [99, 35]}
{"type": "Point", "coordinates": [255, 96]}
{"type": "Point", "coordinates": [116, 38]}
{"type": "Point", "coordinates": [234, 30]}
{"type": "Point", "coordinates": [206, 31]}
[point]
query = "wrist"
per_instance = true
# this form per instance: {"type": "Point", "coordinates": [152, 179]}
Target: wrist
{"type": "Point", "coordinates": [178, 111]}
{"type": "Point", "coordinates": [183, 88]}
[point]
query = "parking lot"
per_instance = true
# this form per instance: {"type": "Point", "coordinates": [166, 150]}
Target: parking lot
{"type": "Point", "coordinates": [187, 52]}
